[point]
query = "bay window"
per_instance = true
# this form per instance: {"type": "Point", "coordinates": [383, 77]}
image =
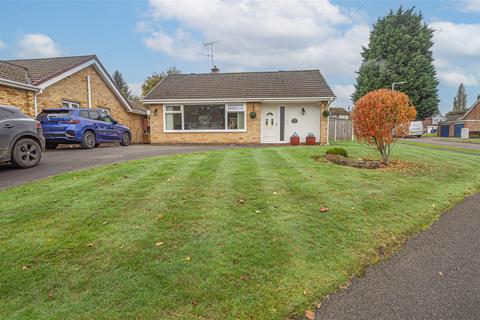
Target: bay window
{"type": "Point", "coordinates": [205, 118]}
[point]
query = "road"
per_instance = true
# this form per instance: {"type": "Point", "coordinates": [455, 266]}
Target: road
{"type": "Point", "coordinates": [434, 276]}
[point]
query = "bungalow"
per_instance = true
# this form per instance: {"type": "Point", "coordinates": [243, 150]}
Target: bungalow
{"type": "Point", "coordinates": [430, 124]}
{"type": "Point", "coordinates": [239, 108]}
{"type": "Point", "coordinates": [454, 123]}
{"type": "Point", "coordinates": [78, 82]}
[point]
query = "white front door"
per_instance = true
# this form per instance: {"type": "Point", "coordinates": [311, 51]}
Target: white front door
{"type": "Point", "coordinates": [269, 125]}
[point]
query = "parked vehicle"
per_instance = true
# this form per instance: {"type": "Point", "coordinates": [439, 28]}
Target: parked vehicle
{"type": "Point", "coordinates": [88, 127]}
{"type": "Point", "coordinates": [415, 129]}
{"type": "Point", "coordinates": [21, 138]}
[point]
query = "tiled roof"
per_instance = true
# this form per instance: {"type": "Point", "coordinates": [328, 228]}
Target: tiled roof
{"type": "Point", "coordinates": [338, 111]}
{"type": "Point", "coordinates": [13, 72]}
{"type": "Point", "coordinates": [136, 105]}
{"type": "Point", "coordinates": [41, 70]}
{"type": "Point", "coordinates": [278, 84]}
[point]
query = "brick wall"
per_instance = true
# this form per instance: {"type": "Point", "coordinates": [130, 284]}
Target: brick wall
{"type": "Point", "coordinates": [251, 136]}
{"type": "Point", "coordinates": [323, 124]}
{"type": "Point", "coordinates": [20, 98]}
{"type": "Point", "coordinates": [74, 88]}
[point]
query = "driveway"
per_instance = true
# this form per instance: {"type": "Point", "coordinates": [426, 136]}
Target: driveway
{"type": "Point", "coordinates": [441, 142]}
{"type": "Point", "coordinates": [69, 159]}
{"type": "Point", "coordinates": [434, 276]}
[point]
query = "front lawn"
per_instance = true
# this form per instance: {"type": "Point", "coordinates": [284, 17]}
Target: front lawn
{"type": "Point", "coordinates": [233, 234]}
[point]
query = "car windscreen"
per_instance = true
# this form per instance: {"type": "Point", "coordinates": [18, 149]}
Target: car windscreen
{"type": "Point", "coordinates": [52, 114]}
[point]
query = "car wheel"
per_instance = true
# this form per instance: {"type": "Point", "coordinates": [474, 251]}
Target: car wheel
{"type": "Point", "coordinates": [126, 139]}
{"type": "Point", "coordinates": [26, 153]}
{"type": "Point", "coordinates": [89, 140]}
{"type": "Point", "coordinates": [51, 145]}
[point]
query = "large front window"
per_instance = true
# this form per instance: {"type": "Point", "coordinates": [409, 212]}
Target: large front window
{"type": "Point", "coordinates": [201, 118]}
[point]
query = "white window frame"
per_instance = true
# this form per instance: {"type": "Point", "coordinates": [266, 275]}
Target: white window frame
{"type": "Point", "coordinates": [71, 104]}
{"type": "Point", "coordinates": [181, 111]}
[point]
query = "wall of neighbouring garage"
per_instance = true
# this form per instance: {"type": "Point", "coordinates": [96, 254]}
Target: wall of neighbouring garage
{"type": "Point", "coordinates": [74, 88]}
{"type": "Point", "coordinates": [251, 136]}
{"type": "Point", "coordinates": [19, 98]}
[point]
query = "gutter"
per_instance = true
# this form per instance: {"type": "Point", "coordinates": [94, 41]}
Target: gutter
{"type": "Point", "coordinates": [15, 84]}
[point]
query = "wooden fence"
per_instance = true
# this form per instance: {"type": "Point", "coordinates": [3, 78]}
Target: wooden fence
{"type": "Point", "coordinates": [340, 129]}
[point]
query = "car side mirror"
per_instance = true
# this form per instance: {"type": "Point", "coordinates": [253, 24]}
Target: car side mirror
{"type": "Point", "coordinates": [114, 121]}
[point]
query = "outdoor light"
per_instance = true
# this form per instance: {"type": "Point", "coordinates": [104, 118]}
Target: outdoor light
{"type": "Point", "coordinates": [155, 112]}
{"type": "Point", "coordinates": [303, 111]}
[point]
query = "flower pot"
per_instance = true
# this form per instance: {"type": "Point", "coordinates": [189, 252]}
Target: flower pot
{"type": "Point", "coordinates": [295, 140]}
{"type": "Point", "coordinates": [310, 140]}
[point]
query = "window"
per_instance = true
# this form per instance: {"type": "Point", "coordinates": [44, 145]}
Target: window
{"type": "Point", "coordinates": [201, 118]}
{"type": "Point", "coordinates": [84, 114]}
{"type": "Point", "coordinates": [94, 115]}
{"type": "Point", "coordinates": [173, 118]}
{"type": "Point", "coordinates": [235, 117]}
{"type": "Point", "coordinates": [104, 110]}
{"type": "Point", "coordinates": [70, 104]}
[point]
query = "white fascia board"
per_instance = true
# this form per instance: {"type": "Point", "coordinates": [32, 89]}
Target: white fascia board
{"type": "Point", "coordinates": [103, 75]}
{"type": "Point", "coordinates": [279, 100]}
{"type": "Point", "coordinates": [15, 84]}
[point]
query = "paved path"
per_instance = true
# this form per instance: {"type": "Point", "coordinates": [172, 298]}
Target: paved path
{"type": "Point", "coordinates": [69, 159]}
{"type": "Point", "coordinates": [436, 275]}
{"type": "Point", "coordinates": [440, 142]}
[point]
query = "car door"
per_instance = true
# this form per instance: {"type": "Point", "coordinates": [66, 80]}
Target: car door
{"type": "Point", "coordinates": [7, 132]}
{"type": "Point", "coordinates": [100, 126]}
{"type": "Point", "coordinates": [108, 128]}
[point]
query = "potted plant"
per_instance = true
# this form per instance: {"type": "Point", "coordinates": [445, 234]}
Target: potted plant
{"type": "Point", "coordinates": [310, 139]}
{"type": "Point", "coordinates": [294, 139]}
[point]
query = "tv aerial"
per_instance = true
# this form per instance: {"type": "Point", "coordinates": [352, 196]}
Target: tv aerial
{"type": "Point", "coordinates": [210, 44]}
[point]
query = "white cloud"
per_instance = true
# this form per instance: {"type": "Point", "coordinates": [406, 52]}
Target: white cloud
{"type": "Point", "coordinates": [469, 6]}
{"type": "Point", "coordinates": [344, 94]}
{"type": "Point", "coordinates": [136, 88]}
{"type": "Point", "coordinates": [258, 35]}
{"type": "Point", "coordinates": [2, 44]}
{"type": "Point", "coordinates": [36, 45]}
{"type": "Point", "coordinates": [456, 51]}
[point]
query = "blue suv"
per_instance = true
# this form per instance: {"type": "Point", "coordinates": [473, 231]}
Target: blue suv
{"type": "Point", "coordinates": [88, 127]}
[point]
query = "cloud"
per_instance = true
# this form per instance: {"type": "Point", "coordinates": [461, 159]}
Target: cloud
{"type": "Point", "coordinates": [2, 44]}
{"type": "Point", "coordinates": [343, 93]}
{"type": "Point", "coordinates": [136, 88]}
{"type": "Point", "coordinates": [469, 6]}
{"type": "Point", "coordinates": [456, 52]}
{"type": "Point", "coordinates": [255, 34]}
{"type": "Point", "coordinates": [36, 45]}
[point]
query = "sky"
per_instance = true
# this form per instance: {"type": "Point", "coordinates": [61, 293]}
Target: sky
{"type": "Point", "coordinates": [141, 37]}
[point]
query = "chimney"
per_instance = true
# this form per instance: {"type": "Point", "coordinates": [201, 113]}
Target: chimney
{"type": "Point", "coordinates": [215, 69]}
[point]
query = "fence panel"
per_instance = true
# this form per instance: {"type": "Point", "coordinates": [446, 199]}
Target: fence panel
{"type": "Point", "coordinates": [340, 129]}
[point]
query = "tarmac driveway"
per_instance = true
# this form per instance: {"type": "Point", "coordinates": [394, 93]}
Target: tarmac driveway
{"type": "Point", "coordinates": [69, 159]}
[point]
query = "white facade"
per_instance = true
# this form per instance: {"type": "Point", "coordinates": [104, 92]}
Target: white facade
{"type": "Point", "coordinates": [299, 118]}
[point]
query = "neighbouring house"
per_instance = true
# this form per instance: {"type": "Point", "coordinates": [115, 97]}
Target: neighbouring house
{"type": "Point", "coordinates": [339, 112]}
{"type": "Point", "coordinates": [80, 82]}
{"type": "Point", "coordinates": [239, 108]}
{"type": "Point", "coordinates": [430, 124]}
{"type": "Point", "coordinates": [454, 123]}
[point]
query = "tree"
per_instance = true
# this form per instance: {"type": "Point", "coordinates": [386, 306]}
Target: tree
{"type": "Point", "coordinates": [380, 117]}
{"type": "Point", "coordinates": [460, 100]}
{"type": "Point", "coordinates": [399, 50]}
{"type": "Point", "coordinates": [122, 85]}
{"type": "Point", "coordinates": [155, 78]}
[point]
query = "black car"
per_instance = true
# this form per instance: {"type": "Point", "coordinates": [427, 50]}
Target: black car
{"type": "Point", "coordinates": [21, 138]}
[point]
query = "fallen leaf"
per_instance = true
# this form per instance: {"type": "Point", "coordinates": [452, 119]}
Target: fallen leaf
{"type": "Point", "coordinates": [50, 295]}
{"type": "Point", "coordinates": [244, 277]}
{"type": "Point", "coordinates": [123, 245]}
{"type": "Point", "coordinates": [257, 211]}
{"type": "Point", "coordinates": [188, 258]}
{"type": "Point", "coordinates": [105, 223]}
{"type": "Point", "coordinates": [91, 245]}
{"type": "Point", "coordinates": [274, 192]}
{"type": "Point", "coordinates": [324, 209]}
{"type": "Point", "coordinates": [441, 274]}
{"type": "Point", "coordinates": [158, 244]}
{"type": "Point", "coordinates": [25, 267]}
{"type": "Point", "coordinates": [194, 303]}
{"type": "Point", "coordinates": [241, 201]}
{"type": "Point", "coordinates": [310, 315]}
